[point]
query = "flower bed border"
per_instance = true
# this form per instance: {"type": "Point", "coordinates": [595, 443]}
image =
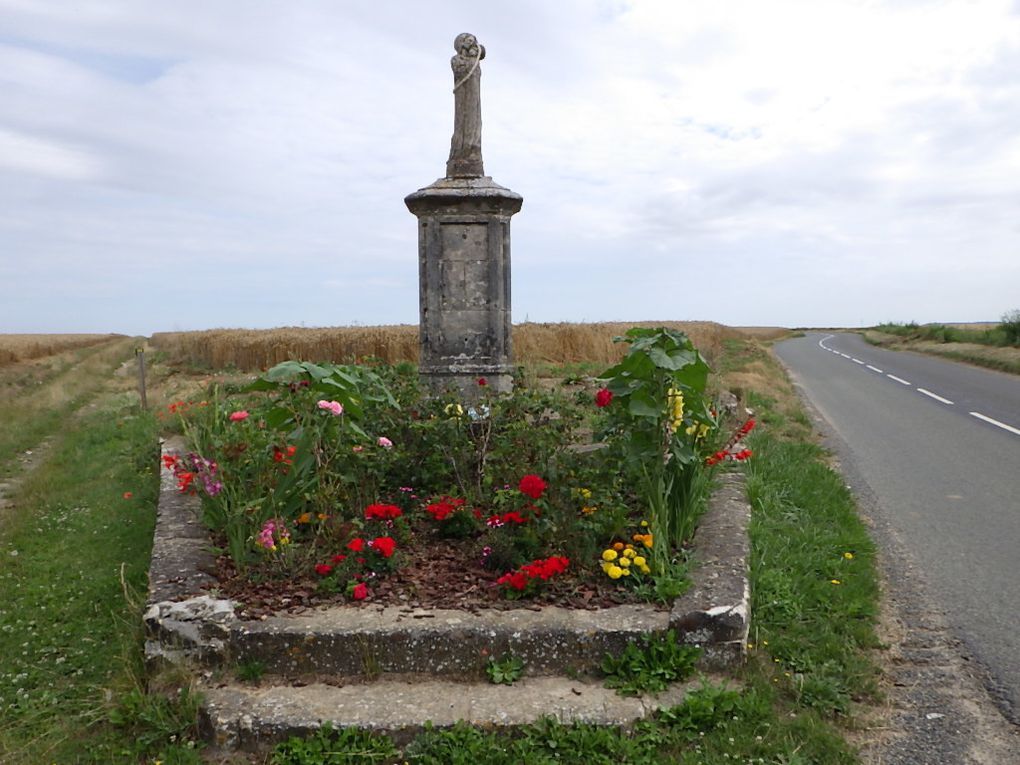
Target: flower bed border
{"type": "Point", "coordinates": [183, 622]}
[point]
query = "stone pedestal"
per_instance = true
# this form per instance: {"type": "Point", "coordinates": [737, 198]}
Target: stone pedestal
{"type": "Point", "coordinates": [464, 284]}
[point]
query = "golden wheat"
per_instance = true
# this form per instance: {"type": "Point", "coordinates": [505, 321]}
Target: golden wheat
{"type": "Point", "coordinates": [560, 343]}
{"type": "Point", "coordinates": [14, 348]}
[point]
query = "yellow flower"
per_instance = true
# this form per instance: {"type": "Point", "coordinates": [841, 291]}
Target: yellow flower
{"type": "Point", "coordinates": [455, 410]}
{"type": "Point", "coordinates": [583, 493]}
{"type": "Point", "coordinates": [609, 555]}
{"type": "Point", "coordinates": [629, 552]}
{"type": "Point", "coordinates": [625, 572]}
{"type": "Point", "coordinates": [835, 581]}
{"type": "Point", "coordinates": [588, 510]}
{"type": "Point", "coordinates": [639, 561]}
{"type": "Point", "coordinates": [691, 429]}
{"type": "Point", "coordinates": [625, 562]}
{"type": "Point", "coordinates": [644, 524]}
{"type": "Point", "coordinates": [615, 572]}
{"type": "Point", "coordinates": [848, 555]}
{"type": "Point", "coordinates": [645, 569]}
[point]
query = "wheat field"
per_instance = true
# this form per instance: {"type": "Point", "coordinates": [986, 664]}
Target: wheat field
{"type": "Point", "coordinates": [15, 348]}
{"type": "Point", "coordinates": [534, 343]}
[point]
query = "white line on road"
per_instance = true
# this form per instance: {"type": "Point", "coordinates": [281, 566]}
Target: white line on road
{"type": "Point", "coordinates": [857, 361]}
{"type": "Point", "coordinates": [935, 396]}
{"type": "Point", "coordinates": [844, 355]}
{"type": "Point", "coordinates": [897, 379]}
{"type": "Point", "coordinates": [1002, 425]}
{"type": "Point", "coordinates": [874, 369]}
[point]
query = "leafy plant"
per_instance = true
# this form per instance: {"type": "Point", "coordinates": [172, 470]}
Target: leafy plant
{"type": "Point", "coordinates": [659, 422]}
{"type": "Point", "coordinates": [652, 666]}
{"type": "Point", "coordinates": [328, 746]}
{"type": "Point", "coordinates": [504, 671]}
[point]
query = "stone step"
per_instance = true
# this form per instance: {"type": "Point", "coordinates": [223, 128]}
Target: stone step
{"type": "Point", "coordinates": [253, 718]}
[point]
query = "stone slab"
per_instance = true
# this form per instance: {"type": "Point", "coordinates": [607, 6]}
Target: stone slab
{"type": "Point", "coordinates": [254, 718]}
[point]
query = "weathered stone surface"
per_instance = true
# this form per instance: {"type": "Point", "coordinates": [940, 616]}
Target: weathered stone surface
{"type": "Point", "coordinates": [464, 284]}
{"type": "Point", "coordinates": [356, 641]}
{"type": "Point", "coordinates": [238, 717]}
{"type": "Point", "coordinates": [715, 613]}
{"type": "Point", "coordinates": [181, 559]}
{"type": "Point", "coordinates": [466, 144]}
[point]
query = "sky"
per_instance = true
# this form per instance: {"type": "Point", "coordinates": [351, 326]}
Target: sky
{"type": "Point", "coordinates": [243, 163]}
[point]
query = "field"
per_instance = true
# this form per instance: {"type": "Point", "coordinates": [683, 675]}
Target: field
{"type": "Point", "coordinates": [14, 348]}
{"type": "Point", "coordinates": [535, 344]}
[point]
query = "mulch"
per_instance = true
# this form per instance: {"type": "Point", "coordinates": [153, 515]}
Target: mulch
{"type": "Point", "coordinates": [434, 574]}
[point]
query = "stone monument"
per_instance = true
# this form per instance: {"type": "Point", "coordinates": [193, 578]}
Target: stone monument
{"type": "Point", "coordinates": [464, 253]}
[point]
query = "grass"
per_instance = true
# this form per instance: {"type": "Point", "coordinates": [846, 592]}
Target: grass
{"type": "Point", "coordinates": [73, 557]}
{"type": "Point", "coordinates": [991, 346]}
{"type": "Point", "coordinates": [35, 412]}
{"type": "Point", "coordinates": [72, 688]}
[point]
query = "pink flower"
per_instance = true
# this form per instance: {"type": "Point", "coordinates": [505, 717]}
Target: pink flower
{"type": "Point", "coordinates": [385, 442]}
{"type": "Point", "coordinates": [360, 591]}
{"type": "Point", "coordinates": [357, 449]}
{"type": "Point", "coordinates": [238, 416]}
{"type": "Point", "coordinates": [331, 406]}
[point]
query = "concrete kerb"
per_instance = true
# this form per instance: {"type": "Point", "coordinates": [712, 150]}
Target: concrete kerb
{"type": "Point", "coordinates": [185, 622]}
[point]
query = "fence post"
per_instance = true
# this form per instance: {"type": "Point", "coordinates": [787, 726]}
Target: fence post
{"type": "Point", "coordinates": [140, 354]}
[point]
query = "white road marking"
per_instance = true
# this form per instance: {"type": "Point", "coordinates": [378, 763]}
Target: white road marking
{"type": "Point", "coordinates": [1002, 425]}
{"type": "Point", "coordinates": [897, 379]}
{"type": "Point", "coordinates": [874, 369]}
{"type": "Point", "coordinates": [844, 355]}
{"type": "Point", "coordinates": [935, 396]}
{"type": "Point", "coordinates": [857, 361]}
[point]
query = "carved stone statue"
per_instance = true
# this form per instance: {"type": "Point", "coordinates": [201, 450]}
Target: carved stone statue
{"type": "Point", "coordinates": [466, 145]}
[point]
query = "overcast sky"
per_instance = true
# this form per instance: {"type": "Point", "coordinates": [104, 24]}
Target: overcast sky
{"type": "Point", "coordinates": [198, 163]}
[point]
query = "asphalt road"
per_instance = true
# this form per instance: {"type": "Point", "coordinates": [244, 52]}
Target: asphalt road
{"type": "Point", "coordinates": [937, 444]}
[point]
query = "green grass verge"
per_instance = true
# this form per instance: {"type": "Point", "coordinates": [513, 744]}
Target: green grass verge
{"type": "Point", "coordinates": [74, 554]}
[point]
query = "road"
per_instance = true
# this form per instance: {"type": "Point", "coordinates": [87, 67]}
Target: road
{"type": "Point", "coordinates": [937, 443]}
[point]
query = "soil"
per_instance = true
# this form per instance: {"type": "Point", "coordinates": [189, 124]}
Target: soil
{"type": "Point", "coordinates": [434, 573]}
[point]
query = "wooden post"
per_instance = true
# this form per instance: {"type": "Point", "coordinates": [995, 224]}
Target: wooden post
{"type": "Point", "coordinates": [140, 354]}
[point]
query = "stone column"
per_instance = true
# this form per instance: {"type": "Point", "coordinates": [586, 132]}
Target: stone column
{"type": "Point", "coordinates": [464, 253]}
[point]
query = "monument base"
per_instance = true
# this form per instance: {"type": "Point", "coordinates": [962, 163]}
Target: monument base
{"type": "Point", "coordinates": [464, 278]}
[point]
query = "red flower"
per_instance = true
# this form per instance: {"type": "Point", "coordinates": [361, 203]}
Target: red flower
{"type": "Point", "coordinates": [339, 558]}
{"type": "Point", "coordinates": [603, 397]}
{"type": "Point", "coordinates": [170, 460]}
{"type": "Point", "coordinates": [385, 545]}
{"type": "Point", "coordinates": [128, 495]}
{"type": "Point", "coordinates": [323, 569]}
{"type": "Point", "coordinates": [239, 415]}
{"type": "Point", "coordinates": [356, 545]}
{"type": "Point", "coordinates": [360, 591]}
{"type": "Point", "coordinates": [743, 455]}
{"type": "Point", "coordinates": [482, 381]}
{"type": "Point", "coordinates": [382, 512]}
{"type": "Point", "coordinates": [184, 481]}
{"type": "Point", "coordinates": [747, 427]}
{"type": "Point", "coordinates": [532, 486]}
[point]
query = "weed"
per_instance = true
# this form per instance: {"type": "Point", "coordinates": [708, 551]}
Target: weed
{"type": "Point", "coordinates": [251, 671]}
{"type": "Point", "coordinates": [652, 666]}
{"type": "Point", "coordinates": [328, 746]}
{"type": "Point", "coordinates": [505, 671]}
